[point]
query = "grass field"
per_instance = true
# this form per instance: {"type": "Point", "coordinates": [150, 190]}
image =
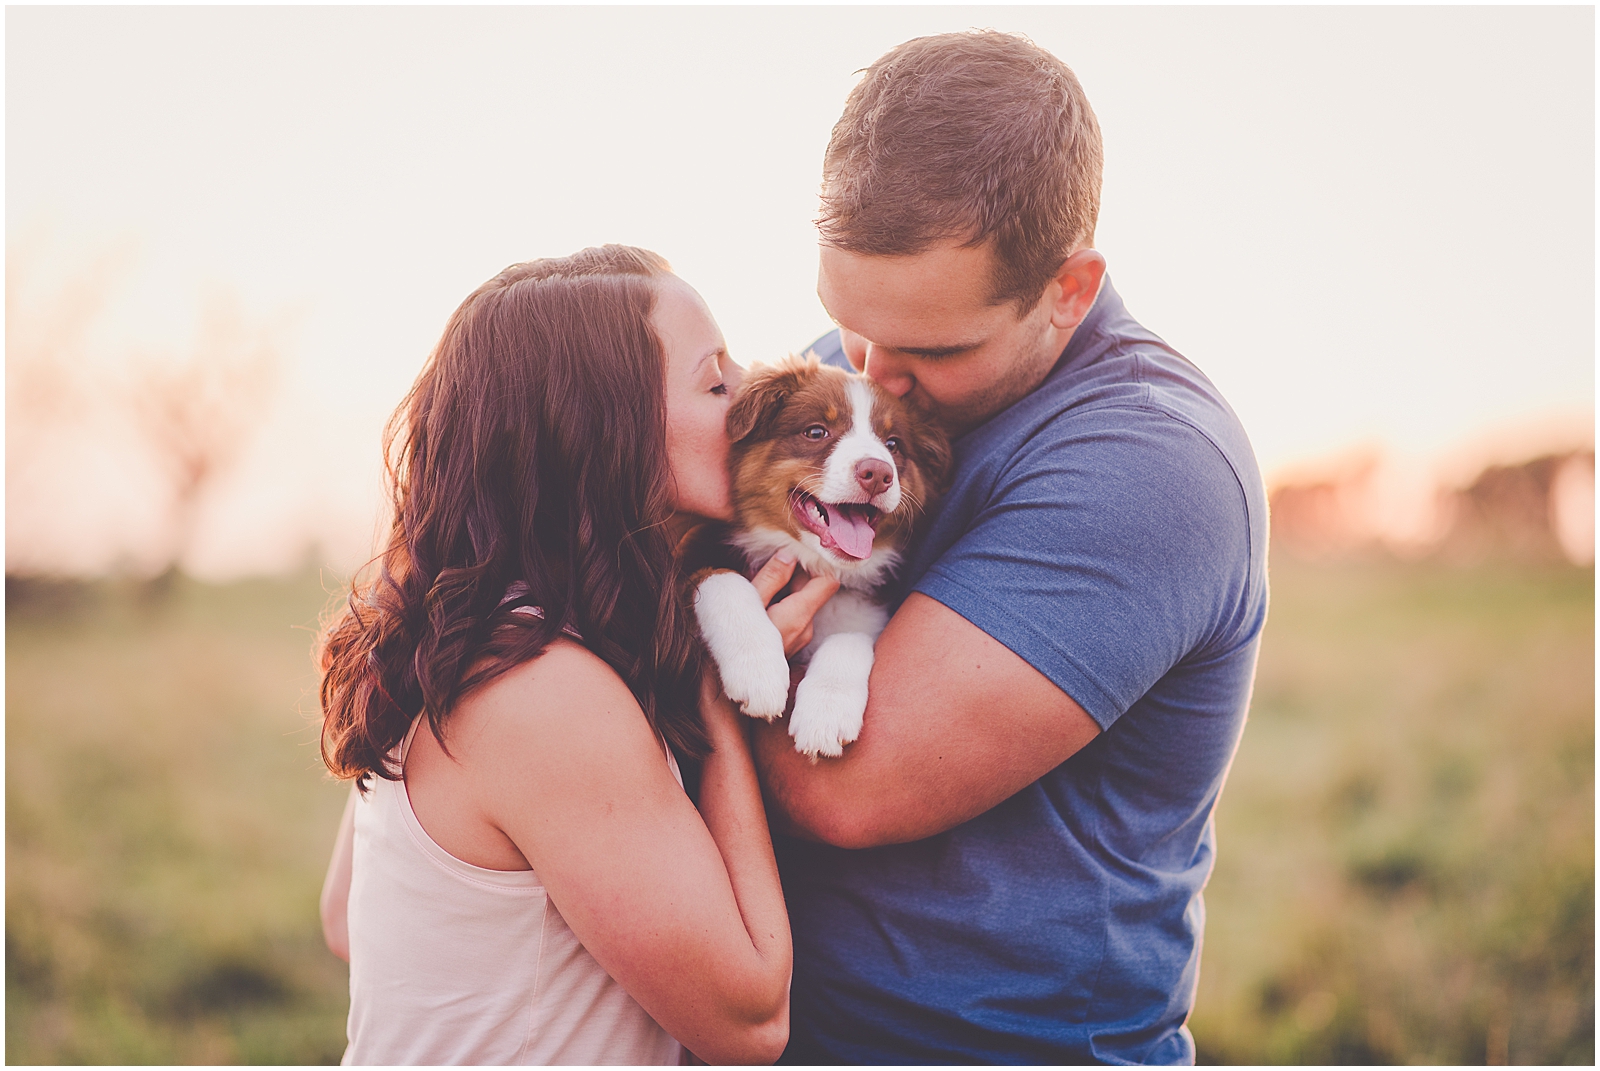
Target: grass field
{"type": "Point", "coordinates": [1406, 866]}
{"type": "Point", "coordinates": [167, 823]}
{"type": "Point", "coordinates": [1406, 843]}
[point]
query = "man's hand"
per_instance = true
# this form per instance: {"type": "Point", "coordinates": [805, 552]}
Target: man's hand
{"type": "Point", "coordinates": [956, 723]}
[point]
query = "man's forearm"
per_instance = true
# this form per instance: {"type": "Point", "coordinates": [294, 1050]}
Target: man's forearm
{"type": "Point", "coordinates": [955, 724]}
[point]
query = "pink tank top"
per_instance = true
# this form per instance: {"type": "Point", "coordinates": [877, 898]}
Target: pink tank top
{"type": "Point", "coordinates": [454, 964]}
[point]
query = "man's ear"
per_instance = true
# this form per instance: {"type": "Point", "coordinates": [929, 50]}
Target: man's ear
{"type": "Point", "coordinates": [766, 387]}
{"type": "Point", "coordinates": [1074, 288]}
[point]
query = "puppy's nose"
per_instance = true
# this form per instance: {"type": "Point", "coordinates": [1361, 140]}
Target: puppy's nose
{"type": "Point", "coordinates": [874, 476]}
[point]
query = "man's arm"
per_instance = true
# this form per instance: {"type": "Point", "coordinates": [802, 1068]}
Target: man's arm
{"type": "Point", "coordinates": [956, 723]}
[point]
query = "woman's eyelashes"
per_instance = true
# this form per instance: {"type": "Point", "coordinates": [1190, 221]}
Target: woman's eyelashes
{"type": "Point", "coordinates": [727, 378]}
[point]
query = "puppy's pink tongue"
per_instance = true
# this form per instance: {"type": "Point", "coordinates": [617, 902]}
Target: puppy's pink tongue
{"type": "Point", "coordinates": [850, 531]}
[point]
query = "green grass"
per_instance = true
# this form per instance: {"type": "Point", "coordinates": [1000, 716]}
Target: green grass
{"type": "Point", "coordinates": [167, 824]}
{"type": "Point", "coordinates": [1406, 843]}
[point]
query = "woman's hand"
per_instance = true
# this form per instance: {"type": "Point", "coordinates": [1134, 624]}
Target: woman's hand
{"type": "Point", "coordinates": [794, 613]}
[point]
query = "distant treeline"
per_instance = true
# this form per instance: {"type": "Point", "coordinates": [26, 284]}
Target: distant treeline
{"type": "Point", "coordinates": [1541, 510]}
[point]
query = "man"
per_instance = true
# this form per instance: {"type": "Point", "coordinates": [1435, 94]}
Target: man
{"type": "Point", "coordinates": [1007, 865]}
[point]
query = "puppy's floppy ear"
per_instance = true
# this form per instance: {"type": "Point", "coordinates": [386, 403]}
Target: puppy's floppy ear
{"type": "Point", "coordinates": [932, 448]}
{"type": "Point", "coordinates": [766, 387]}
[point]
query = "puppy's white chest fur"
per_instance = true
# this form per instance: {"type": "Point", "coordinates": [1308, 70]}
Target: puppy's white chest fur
{"type": "Point", "coordinates": [848, 611]}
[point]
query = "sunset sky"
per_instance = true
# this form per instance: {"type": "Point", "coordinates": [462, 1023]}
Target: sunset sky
{"type": "Point", "coordinates": [1367, 225]}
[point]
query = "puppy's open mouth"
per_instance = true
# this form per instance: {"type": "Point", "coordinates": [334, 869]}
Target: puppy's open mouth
{"type": "Point", "coordinates": [845, 527]}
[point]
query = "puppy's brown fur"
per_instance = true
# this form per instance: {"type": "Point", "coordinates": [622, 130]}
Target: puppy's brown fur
{"type": "Point", "coordinates": [771, 457]}
{"type": "Point", "coordinates": [840, 472]}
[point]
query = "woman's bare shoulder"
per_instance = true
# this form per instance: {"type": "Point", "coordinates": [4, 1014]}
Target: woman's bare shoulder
{"type": "Point", "coordinates": [528, 746]}
{"type": "Point", "coordinates": [567, 692]}
{"type": "Point", "coordinates": [564, 664]}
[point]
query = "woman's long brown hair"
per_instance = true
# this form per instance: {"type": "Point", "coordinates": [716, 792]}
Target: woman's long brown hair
{"type": "Point", "coordinates": [532, 448]}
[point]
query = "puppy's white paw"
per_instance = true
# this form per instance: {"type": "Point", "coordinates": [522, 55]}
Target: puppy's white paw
{"type": "Point", "coordinates": [758, 679]}
{"type": "Point", "coordinates": [744, 643]}
{"type": "Point", "coordinates": [826, 717]}
{"type": "Point", "coordinates": [831, 700]}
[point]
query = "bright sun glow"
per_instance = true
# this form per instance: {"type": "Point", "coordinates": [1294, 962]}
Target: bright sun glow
{"type": "Point", "coordinates": [1365, 224]}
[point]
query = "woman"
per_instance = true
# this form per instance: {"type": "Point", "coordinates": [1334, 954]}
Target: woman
{"type": "Point", "coordinates": [520, 877]}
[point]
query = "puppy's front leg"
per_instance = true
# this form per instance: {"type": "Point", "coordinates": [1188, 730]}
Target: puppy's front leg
{"type": "Point", "coordinates": [744, 643]}
{"type": "Point", "coordinates": [832, 698]}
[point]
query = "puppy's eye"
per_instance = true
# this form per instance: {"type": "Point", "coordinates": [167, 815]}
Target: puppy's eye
{"type": "Point", "coordinates": [892, 443]}
{"type": "Point", "coordinates": [816, 433]}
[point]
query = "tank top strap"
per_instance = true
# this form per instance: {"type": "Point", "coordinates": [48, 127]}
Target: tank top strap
{"type": "Point", "coordinates": [517, 592]}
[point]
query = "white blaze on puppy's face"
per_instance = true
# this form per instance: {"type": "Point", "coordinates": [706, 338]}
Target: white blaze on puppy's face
{"type": "Point", "coordinates": [859, 482]}
{"type": "Point", "coordinates": [860, 443]}
{"type": "Point", "coordinates": [832, 466]}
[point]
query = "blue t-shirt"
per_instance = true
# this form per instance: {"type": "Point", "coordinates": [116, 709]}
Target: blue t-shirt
{"type": "Point", "coordinates": [1111, 529]}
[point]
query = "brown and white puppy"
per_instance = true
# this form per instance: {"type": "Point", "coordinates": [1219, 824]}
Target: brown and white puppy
{"type": "Point", "coordinates": [837, 470]}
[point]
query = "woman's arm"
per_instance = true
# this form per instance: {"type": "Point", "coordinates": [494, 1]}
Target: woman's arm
{"type": "Point", "coordinates": [732, 809]}
{"type": "Point", "coordinates": [682, 907]}
{"type": "Point", "coordinates": [336, 886]}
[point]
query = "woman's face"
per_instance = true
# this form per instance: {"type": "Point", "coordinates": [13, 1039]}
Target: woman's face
{"type": "Point", "coordinates": [700, 380]}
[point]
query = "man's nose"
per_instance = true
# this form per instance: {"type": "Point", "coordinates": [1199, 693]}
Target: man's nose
{"type": "Point", "coordinates": [874, 475]}
{"type": "Point", "coordinates": [887, 371]}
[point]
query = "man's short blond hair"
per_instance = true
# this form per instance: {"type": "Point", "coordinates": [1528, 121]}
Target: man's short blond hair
{"type": "Point", "coordinates": [973, 137]}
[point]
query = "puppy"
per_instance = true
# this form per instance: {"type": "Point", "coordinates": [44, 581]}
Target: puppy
{"type": "Point", "coordinates": [839, 471]}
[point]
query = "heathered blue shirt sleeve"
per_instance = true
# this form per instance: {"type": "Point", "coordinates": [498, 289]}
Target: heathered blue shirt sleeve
{"type": "Point", "coordinates": [1102, 552]}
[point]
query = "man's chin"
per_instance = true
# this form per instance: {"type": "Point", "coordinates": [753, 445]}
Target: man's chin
{"type": "Point", "coordinates": [956, 421]}
{"type": "Point", "coordinates": [953, 420]}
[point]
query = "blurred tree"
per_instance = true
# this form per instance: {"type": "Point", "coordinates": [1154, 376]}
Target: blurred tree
{"type": "Point", "coordinates": [198, 413]}
{"type": "Point", "coordinates": [46, 349]}
{"type": "Point", "coordinates": [76, 395]}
